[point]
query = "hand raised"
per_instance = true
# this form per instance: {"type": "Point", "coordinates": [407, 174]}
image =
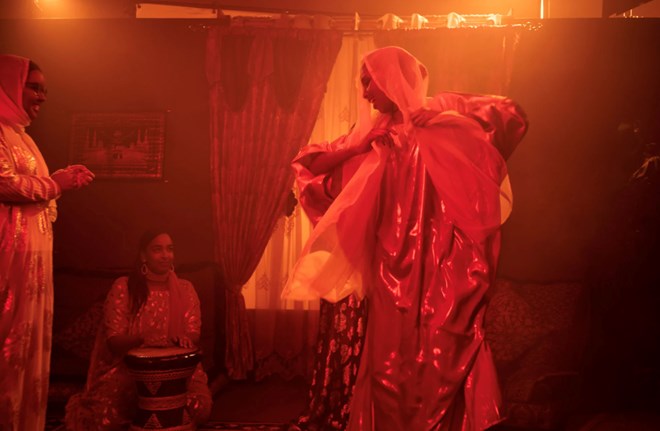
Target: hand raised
{"type": "Point", "coordinates": [65, 179]}
{"type": "Point", "coordinates": [85, 176]}
{"type": "Point", "coordinates": [73, 177]}
{"type": "Point", "coordinates": [381, 136]}
{"type": "Point", "coordinates": [422, 117]}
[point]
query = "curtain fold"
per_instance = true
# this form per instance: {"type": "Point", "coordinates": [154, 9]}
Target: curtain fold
{"type": "Point", "coordinates": [265, 94]}
{"type": "Point", "coordinates": [286, 331]}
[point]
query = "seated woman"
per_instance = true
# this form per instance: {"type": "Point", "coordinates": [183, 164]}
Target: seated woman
{"type": "Point", "coordinates": [151, 307]}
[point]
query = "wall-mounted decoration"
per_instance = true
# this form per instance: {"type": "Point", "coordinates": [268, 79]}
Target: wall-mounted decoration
{"type": "Point", "coordinates": [119, 145]}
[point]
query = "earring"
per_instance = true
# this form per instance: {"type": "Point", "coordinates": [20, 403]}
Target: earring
{"type": "Point", "coordinates": [144, 269]}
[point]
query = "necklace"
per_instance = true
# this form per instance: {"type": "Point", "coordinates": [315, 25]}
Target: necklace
{"type": "Point", "coordinates": [157, 281]}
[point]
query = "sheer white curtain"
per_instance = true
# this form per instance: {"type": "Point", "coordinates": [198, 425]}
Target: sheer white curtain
{"type": "Point", "coordinates": [285, 331]}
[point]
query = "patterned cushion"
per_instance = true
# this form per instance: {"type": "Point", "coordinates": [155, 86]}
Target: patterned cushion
{"type": "Point", "coordinates": [78, 338]}
{"type": "Point", "coordinates": [535, 331]}
{"type": "Point", "coordinates": [78, 308]}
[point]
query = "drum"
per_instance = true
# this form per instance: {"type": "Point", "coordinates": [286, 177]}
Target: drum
{"type": "Point", "coordinates": [161, 376]}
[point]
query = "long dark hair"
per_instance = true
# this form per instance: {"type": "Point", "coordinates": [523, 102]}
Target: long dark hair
{"type": "Point", "coordinates": [137, 281]}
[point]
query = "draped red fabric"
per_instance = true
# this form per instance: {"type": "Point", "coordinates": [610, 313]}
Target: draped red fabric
{"type": "Point", "coordinates": [266, 87]}
{"type": "Point", "coordinates": [469, 60]}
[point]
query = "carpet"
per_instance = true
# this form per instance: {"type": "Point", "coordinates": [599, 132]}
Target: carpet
{"type": "Point", "coordinates": [224, 426]}
{"type": "Point", "coordinates": [55, 424]}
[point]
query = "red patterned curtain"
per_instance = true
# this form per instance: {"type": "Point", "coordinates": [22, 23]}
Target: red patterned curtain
{"type": "Point", "coordinates": [471, 60]}
{"type": "Point", "coordinates": [266, 89]}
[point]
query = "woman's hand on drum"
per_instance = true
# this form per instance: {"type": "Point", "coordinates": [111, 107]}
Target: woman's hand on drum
{"type": "Point", "coordinates": [183, 341]}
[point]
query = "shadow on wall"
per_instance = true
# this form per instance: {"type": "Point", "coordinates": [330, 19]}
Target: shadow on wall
{"type": "Point", "coordinates": [124, 66]}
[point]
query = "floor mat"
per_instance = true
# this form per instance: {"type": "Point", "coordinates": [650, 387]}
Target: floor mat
{"type": "Point", "coordinates": [218, 426]}
{"type": "Point", "coordinates": [55, 424]}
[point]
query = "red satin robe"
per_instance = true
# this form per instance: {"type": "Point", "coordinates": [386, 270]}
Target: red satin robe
{"type": "Point", "coordinates": [432, 243]}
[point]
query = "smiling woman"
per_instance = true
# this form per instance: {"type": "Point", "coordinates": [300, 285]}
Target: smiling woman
{"type": "Point", "coordinates": [34, 92]}
{"type": "Point", "coordinates": [159, 255]}
{"type": "Point", "coordinates": [149, 309]}
{"type": "Point", "coordinates": [27, 210]}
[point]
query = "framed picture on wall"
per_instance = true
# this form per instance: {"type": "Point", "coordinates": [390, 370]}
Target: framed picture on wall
{"type": "Point", "coordinates": [119, 145]}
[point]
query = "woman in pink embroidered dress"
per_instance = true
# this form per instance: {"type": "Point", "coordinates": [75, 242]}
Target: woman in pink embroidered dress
{"type": "Point", "coordinates": [150, 307]}
{"type": "Point", "coordinates": [27, 209]}
{"type": "Point", "coordinates": [409, 206]}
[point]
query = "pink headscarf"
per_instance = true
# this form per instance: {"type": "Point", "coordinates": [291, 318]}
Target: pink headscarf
{"type": "Point", "coordinates": [13, 75]}
{"type": "Point", "coordinates": [401, 77]}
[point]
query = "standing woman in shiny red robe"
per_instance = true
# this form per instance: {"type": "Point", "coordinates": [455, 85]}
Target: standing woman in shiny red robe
{"type": "Point", "coordinates": [409, 207]}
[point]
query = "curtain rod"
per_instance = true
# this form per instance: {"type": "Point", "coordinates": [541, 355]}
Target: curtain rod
{"type": "Point", "coordinates": [356, 23]}
{"type": "Point", "coordinates": [220, 5]}
{"type": "Point", "coordinates": [348, 23]}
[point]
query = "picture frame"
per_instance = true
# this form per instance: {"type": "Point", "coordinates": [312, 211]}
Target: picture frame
{"type": "Point", "coordinates": [119, 145]}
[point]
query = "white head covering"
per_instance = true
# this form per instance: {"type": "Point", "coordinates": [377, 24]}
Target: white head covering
{"type": "Point", "coordinates": [13, 75]}
{"type": "Point", "coordinates": [403, 79]}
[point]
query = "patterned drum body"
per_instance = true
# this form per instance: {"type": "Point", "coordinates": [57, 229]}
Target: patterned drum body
{"type": "Point", "coordinates": [161, 375]}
